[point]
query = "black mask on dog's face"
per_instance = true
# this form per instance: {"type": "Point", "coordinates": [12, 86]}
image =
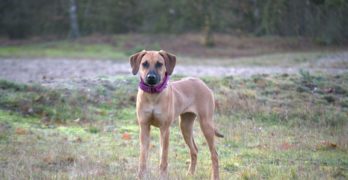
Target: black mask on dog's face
{"type": "Point", "coordinates": [152, 78]}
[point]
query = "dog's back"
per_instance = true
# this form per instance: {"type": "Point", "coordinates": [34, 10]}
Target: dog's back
{"type": "Point", "coordinates": [198, 96]}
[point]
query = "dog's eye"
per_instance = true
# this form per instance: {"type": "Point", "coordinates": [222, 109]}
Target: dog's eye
{"type": "Point", "coordinates": [158, 65]}
{"type": "Point", "coordinates": [145, 64]}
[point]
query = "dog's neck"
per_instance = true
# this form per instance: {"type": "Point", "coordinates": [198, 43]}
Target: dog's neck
{"type": "Point", "coordinates": [154, 89]}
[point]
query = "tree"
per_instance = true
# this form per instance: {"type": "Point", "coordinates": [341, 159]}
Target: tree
{"type": "Point", "coordinates": [74, 27]}
{"type": "Point", "coordinates": [207, 10]}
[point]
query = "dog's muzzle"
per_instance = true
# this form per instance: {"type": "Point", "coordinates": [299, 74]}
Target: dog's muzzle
{"type": "Point", "coordinates": [152, 78]}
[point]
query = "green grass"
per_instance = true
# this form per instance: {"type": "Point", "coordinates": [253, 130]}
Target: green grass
{"type": "Point", "coordinates": [275, 127]}
{"type": "Point", "coordinates": [78, 50]}
{"type": "Point", "coordinates": [62, 49]}
{"type": "Point", "coordinates": [120, 47]}
{"type": "Point", "coordinates": [289, 59]}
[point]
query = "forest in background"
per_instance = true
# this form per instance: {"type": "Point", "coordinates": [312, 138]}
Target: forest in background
{"type": "Point", "coordinates": [324, 21]}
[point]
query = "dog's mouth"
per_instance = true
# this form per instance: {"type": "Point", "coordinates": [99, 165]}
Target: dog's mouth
{"type": "Point", "coordinates": [151, 82]}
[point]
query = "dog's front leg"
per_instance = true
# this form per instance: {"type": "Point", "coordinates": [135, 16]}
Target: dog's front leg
{"type": "Point", "coordinates": [164, 152]}
{"type": "Point", "coordinates": [144, 138]}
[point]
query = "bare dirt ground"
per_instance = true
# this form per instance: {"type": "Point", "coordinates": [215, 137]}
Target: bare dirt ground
{"type": "Point", "coordinates": [54, 72]}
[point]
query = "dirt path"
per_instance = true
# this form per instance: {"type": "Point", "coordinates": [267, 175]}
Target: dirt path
{"type": "Point", "coordinates": [48, 71]}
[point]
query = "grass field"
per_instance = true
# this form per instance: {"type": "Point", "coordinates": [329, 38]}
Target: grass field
{"type": "Point", "coordinates": [275, 126]}
{"type": "Point", "coordinates": [116, 47]}
{"type": "Point", "coordinates": [62, 49]}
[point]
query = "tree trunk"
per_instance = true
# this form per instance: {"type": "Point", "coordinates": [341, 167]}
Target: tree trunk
{"type": "Point", "coordinates": [208, 33]}
{"type": "Point", "coordinates": [74, 26]}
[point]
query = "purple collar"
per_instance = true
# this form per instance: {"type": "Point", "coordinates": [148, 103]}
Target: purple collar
{"type": "Point", "coordinates": [154, 89]}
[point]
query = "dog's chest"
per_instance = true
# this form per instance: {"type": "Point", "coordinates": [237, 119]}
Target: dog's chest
{"type": "Point", "coordinates": [153, 111]}
{"type": "Point", "coordinates": [154, 114]}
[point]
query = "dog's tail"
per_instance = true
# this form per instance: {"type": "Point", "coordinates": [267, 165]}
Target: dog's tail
{"type": "Point", "coordinates": [218, 134]}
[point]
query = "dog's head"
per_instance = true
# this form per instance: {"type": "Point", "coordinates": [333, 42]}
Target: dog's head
{"type": "Point", "coordinates": [152, 65]}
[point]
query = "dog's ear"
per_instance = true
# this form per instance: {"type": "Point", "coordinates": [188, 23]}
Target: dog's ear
{"type": "Point", "coordinates": [170, 61]}
{"type": "Point", "coordinates": [134, 61]}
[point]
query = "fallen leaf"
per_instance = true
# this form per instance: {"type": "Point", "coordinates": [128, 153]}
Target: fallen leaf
{"type": "Point", "coordinates": [21, 131]}
{"type": "Point", "coordinates": [126, 136]}
{"type": "Point", "coordinates": [285, 146]}
{"type": "Point", "coordinates": [48, 159]}
{"type": "Point", "coordinates": [326, 145]}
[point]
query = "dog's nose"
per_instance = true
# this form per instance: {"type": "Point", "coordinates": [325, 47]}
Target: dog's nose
{"type": "Point", "coordinates": [151, 79]}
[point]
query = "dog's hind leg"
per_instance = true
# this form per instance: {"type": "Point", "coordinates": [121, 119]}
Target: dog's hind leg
{"type": "Point", "coordinates": [207, 126]}
{"type": "Point", "coordinates": [186, 125]}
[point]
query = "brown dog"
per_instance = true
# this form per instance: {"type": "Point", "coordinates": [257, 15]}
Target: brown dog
{"type": "Point", "coordinates": [159, 103]}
